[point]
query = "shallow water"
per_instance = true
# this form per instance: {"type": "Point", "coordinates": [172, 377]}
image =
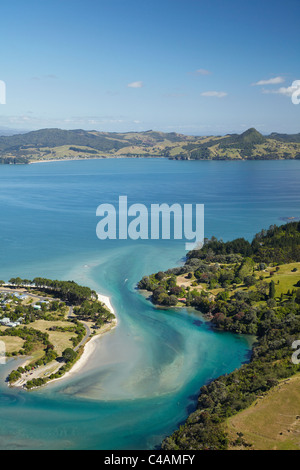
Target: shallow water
{"type": "Point", "coordinates": [143, 377]}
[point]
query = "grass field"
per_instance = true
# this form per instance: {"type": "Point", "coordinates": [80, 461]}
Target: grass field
{"type": "Point", "coordinates": [49, 146]}
{"type": "Point", "coordinates": [286, 277]}
{"type": "Point", "coordinates": [60, 340]}
{"type": "Point", "coordinates": [12, 343]}
{"type": "Point", "coordinates": [273, 421]}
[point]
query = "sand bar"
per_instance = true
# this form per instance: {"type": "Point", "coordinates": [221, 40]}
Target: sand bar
{"type": "Point", "coordinates": [89, 347]}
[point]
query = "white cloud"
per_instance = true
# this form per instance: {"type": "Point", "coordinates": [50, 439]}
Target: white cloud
{"type": "Point", "coordinates": [286, 91]}
{"type": "Point", "coordinates": [72, 122]}
{"type": "Point", "coordinates": [135, 85]}
{"type": "Point", "coordinates": [271, 81]}
{"type": "Point", "coordinates": [214, 94]}
{"type": "Point", "coordinates": [47, 77]}
{"type": "Point", "coordinates": [202, 72]}
{"type": "Point", "coordinates": [51, 76]}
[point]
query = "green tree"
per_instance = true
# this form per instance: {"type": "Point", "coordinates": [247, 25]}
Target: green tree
{"type": "Point", "coordinates": [69, 355]}
{"type": "Point", "coordinates": [272, 290]}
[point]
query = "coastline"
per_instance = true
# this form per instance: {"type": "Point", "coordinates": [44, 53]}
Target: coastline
{"type": "Point", "coordinates": [89, 346]}
{"type": "Point", "coordinates": [106, 300]}
{"type": "Point", "coordinates": [104, 157]}
{"type": "Point", "coordinates": [65, 160]}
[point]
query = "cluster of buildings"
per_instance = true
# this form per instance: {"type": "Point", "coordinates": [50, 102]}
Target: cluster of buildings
{"type": "Point", "coordinates": [20, 296]}
{"type": "Point", "coordinates": [7, 322]}
{"type": "Point", "coordinates": [8, 299]}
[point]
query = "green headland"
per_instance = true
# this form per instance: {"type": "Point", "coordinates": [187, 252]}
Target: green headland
{"type": "Point", "coordinates": [57, 144]}
{"type": "Point", "coordinates": [48, 323]}
{"type": "Point", "coordinates": [246, 288]}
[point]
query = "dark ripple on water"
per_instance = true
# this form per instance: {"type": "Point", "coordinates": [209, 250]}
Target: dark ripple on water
{"type": "Point", "coordinates": [6, 399]}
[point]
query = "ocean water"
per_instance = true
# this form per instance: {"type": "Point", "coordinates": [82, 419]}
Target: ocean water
{"type": "Point", "coordinates": [143, 377]}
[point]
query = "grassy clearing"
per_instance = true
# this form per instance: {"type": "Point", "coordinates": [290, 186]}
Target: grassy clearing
{"type": "Point", "coordinates": [273, 421]}
{"type": "Point", "coordinates": [12, 343]}
{"type": "Point", "coordinates": [60, 340]}
{"type": "Point", "coordinates": [285, 279]}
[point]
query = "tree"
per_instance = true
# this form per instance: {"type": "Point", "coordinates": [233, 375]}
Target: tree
{"type": "Point", "coordinates": [163, 299]}
{"type": "Point", "coordinates": [262, 288]}
{"type": "Point", "coordinates": [173, 300]}
{"type": "Point", "coordinates": [69, 355]}
{"type": "Point", "coordinates": [298, 296]}
{"type": "Point", "coordinates": [15, 281]}
{"type": "Point", "coordinates": [272, 290]}
{"type": "Point", "coordinates": [250, 281]}
{"type": "Point", "coordinates": [160, 275]}
{"type": "Point", "coordinates": [157, 293]}
{"type": "Point", "coordinates": [246, 268]}
{"type": "Point", "coordinates": [177, 290]}
{"type": "Point", "coordinates": [14, 376]}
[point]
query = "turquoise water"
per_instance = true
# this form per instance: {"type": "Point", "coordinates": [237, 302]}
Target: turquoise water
{"type": "Point", "coordinates": [143, 377]}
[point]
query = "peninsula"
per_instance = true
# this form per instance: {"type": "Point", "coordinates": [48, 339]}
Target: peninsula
{"type": "Point", "coordinates": [246, 288]}
{"type": "Point", "coordinates": [49, 323]}
{"type": "Point", "coordinates": [59, 145]}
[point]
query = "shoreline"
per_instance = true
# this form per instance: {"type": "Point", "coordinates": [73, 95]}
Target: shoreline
{"type": "Point", "coordinates": [104, 157]}
{"type": "Point", "coordinates": [106, 301]}
{"type": "Point", "coordinates": [88, 348]}
{"type": "Point", "coordinates": [65, 160]}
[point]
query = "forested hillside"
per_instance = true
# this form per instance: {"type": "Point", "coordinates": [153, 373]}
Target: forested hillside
{"type": "Point", "coordinates": [58, 144]}
{"type": "Point", "coordinates": [246, 288]}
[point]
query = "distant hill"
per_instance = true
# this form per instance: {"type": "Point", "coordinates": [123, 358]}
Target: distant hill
{"type": "Point", "coordinates": [59, 137]}
{"type": "Point", "coordinates": [9, 131]}
{"type": "Point", "coordinates": [249, 137]}
{"type": "Point", "coordinates": [285, 137]}
{"type": "Point", "coordinates": [59, 144]}
{"type": "Point", "coordinates": [250, 145]}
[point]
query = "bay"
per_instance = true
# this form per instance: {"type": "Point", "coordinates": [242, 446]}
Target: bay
{"type": "Point", "coordinates": [143, 377]}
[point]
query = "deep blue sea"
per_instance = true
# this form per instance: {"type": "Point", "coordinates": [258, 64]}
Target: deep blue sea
{"type": "Point", "coordinates": [143, 378]}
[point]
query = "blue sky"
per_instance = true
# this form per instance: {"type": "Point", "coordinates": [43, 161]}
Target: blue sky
{"type": "Point", "coordinates": [193, 66]}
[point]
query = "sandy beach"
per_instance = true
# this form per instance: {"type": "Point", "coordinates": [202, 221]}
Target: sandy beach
{"type": "Point", "coordinates": [106, 300]}
{"type": "Point", "coordinates": [63, 160]}
{"type": "Point", "coordinates": [89, 347]}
